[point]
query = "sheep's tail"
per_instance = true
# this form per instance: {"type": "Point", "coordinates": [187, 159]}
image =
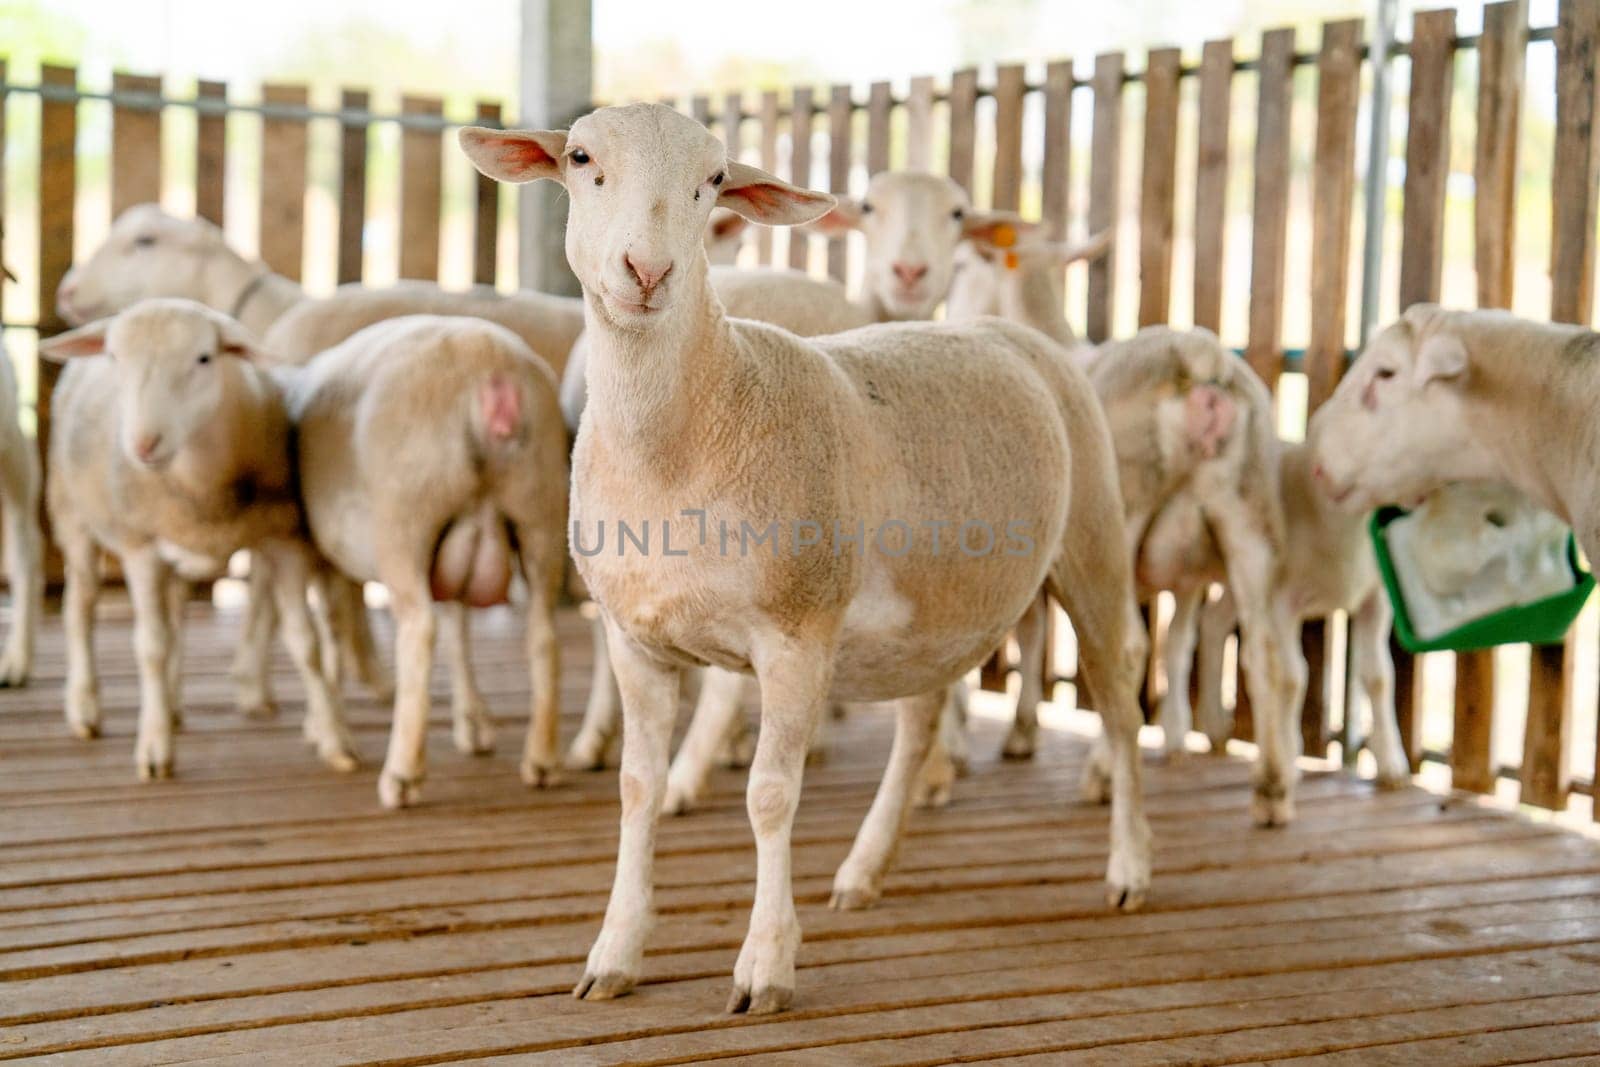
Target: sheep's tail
{"type": "Point", "coordinates": [473, 562]}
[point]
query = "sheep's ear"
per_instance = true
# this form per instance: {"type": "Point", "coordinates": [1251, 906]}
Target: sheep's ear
{"type": "Point", "coordinates": [1091, 248]}
{"type": "Point", "coordinates": [6, 271]}
{"type": "Point", "coordinates": [760, 197]}
{"type": "Point", "coordinates": [234, 340]}
{"type": "Point", "coordinates": [1440, 357]}
{"type": "Point", "coordinates": [87, 340]}
{"type": "Point", "coordinates": [996, 230]}
{"type": "Point", "coordinates": [514, 155]}
{"type": "Point", "coordinates": [845, 216]}
{"type": "Point", "coordinates": [727, 226]}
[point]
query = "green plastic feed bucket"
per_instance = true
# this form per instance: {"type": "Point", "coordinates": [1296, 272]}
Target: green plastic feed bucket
{"type": "Point", "coordinates": [1540, 622]}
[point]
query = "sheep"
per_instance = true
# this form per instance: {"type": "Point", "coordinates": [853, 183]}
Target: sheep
{"type": "Point", "coordinates": [19, 500]}
{"type": "Point", "coordinates": [759, 428]}
{"type": "Point", "coordinates": [1443, 396]}
{"type": "Point", "coordinates": [433, 459]}
{"type": "Point", "coordinates": [172, 450]}
{"type": "Point", "coordinates": [1200, 478]}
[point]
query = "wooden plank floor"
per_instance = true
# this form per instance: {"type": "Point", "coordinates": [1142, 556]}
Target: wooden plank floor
{"type": "Point", "coordinates": [261, 908]}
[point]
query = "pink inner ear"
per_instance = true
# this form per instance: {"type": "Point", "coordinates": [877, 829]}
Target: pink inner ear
{"type": "Point", "coordinates": [761, 196]}
{"type": "Point", "coordinates": [520, 154]}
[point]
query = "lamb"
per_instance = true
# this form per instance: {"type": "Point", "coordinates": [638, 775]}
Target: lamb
{"type": "Point", "coordinates": [19, 501]}
{"type": "Point", "coordinates": [171, 450]}
{"type": "Point", "coordinates": [691, 410]}
{"type": "Point", "coordinates": [433, 459]}
{"type": "Point", "coordinates": [1443, 396]}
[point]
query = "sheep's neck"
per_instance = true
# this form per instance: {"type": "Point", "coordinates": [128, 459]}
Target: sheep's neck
{"type": "Point", "coordinates": [1549, 446]}
{"type": "Point", "coordinates": [650, 389]}
{"type": "Point", "coordinates": [1032, 296]}
{"type": "Point", "coordinates": [253, 294]}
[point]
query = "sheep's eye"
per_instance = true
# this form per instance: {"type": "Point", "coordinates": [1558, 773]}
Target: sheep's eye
{"type": "Point", "coordinates": [578, 157]}
{"type": "Point", "coordinates": [143, 241]}
{"type": "Point", "coordinates": [205, 357]}
{"type": "Point", "coordinates": [958, 214]}
{"type": "Point", "coordinates": [1384, 374]}
{"type": "Point", "coordinates": [1496, 519]}
{"type": "Point", "coordinates": [866, 208]}
{"type": "Point", "coordinates": [718, 179]}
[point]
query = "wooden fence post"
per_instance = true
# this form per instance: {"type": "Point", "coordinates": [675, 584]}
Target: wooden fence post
{"type": "Point", "coordinates": [1006, 193]}
{"type": "Point", "coordinates": [1158, 185]}
{"type": "Point", "coordinates": [800, 123]}
{"type": "Point", "coordinates": [486, 216]}
{"type": "Point", "coordinates": [840, 123]}
{"type": "Point", "coordinates": [880, 104]}
{"type": "Point", "coordinates": [283, 182]}
{"type": "Point", "coordinates": [1269, 239]}
{"type": "Point", "coordinates": [211, 148]}
{"type": "Point", "coordinates": [421, 178]}
{"type": "Point", "coordinates": [919, 125]}
{"type": "Point", "coordinates": [352, 187]}
{"type": "Point", "coordinates": [769, 162]}
{"type": "Point", "coordinates": [1211, 183]}
{"type": "Point", "coordinates": [58, 190]}
{"type": "Point", "coordinates": [1105, 171]}
{"type": "Point", "coordinates": [963, 126]}
{"type": "Point", "coordinates": [135, 144]}
{"type": "Point", "coordinates": [1056, 179]}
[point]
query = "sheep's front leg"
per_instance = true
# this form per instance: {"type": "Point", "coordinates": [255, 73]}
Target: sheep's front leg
{"type": "Point", "coordinates": [324, 724]}
{"type": "Point", "coordinates": [1373, 665]}
{"type": "Point", "coordinates": [716, 714]}
{"type": "Point", "coordinates": [860, 878]}
{"type": "Point", "coordinates": [1177, 717]}
{"type": "Point", "coordinates": [542, 569]}
{"type": "Point", "coordinates": [77, 611]}
{"type": "Point", "coordinates": [649, 692]}
{"type": "Point", "coordinates": [177, 595]}
{"type": "Point", "coordinates": [400, 783]}
{"type": "Point", "coordinates": [472, 728]}
{"type": "Point", "coordinates": [794, 678]}
{"type": "Point", "coordinates": [19, 491]}
{"type": "Point", "coordinates": [1217, 621]}
{"type": "Point", "coordinates": [602, 712]}
{"type": "Point", "coordinates": [152, 643]}
{"type": "Point", "coordinates": [252, 678]}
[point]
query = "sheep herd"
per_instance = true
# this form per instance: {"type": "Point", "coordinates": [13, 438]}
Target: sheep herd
{"type": "Point", "coordinates": [767, 477]}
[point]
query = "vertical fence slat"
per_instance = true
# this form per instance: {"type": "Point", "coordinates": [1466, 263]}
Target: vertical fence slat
{"type": "Point", "coordinates": [700, 109]}
{"type": "Point", "coordinates": [1008, 91]}
{"type": "Point", "coordinates": [839, 127]}
{"type": "Point", "coordinates": [1501, 58]}
{"type": "Point", "coordinates": [58, 187]}
{"type": "Point", "coordinates": [919, 125]}
{"type": "Point", "coordinates": [283, 182]}
{"type": "Point", "coordinates": [1211, 182]}
{"type": "Point", "coordinates": [486, 216]}
{"type": "Point", "coordinates": [1105, 168]}
{"type": "Point", "coordinates": [1158, 185]}
{"type": "Point", "coordinates": [1269, 240]}
{"type": "Point", "coordinates": [801, 112]}
{"type": "Point", "coordinates": [1056, 179]}
{"type": "Point", "coordinates": [352, 186]}
{"type": "Point", "coordinates": [880, 105]}
{"type": "Point", "coordinates": [210, 154]}
{"type": "Point", "coordinates": [769, 162]}
{"type": "Point", "coordinates": [963, 126]}
{"type": "Point", "coordinates": [1421, 252]}
{"type": "Point", "coordinates": [135, 144]}
{"type": "Point", "coordinates": [1333, 203]}
{"type": "Point", "coordinates": [1572, 250]}
{"type": "Point", "coordinates": [421, 163]}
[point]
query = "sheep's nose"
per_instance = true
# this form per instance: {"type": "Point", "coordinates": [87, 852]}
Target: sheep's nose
{"type": "Point", "coordinates": [910, 273]}
{"type": "Point", "coordinates": [146, 446]}
{"type": "Point", "coordinates": [648, 273]}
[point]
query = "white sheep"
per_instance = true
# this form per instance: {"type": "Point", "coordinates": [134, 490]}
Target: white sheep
{"type": "Point", "coordinates": [1200, 478]}
{"type": "Point", "coordinates": [19, 501]}
{"type": "Point", "coordinates": [763, 430]}
{"type": "Point", "coordinates": [171, 449]}
{"type": "Point", "coordinates": [433, 459]}
{"type": "Point", "coordinates": [1444, 396]}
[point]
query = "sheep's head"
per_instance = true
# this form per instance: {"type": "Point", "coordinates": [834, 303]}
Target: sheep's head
{"type": "Point", "coordinates": [643, 180]}
{"type": "Point", "coordinates": [998, 258]}
{"type": "Point", "coordinates": [913, 224]}
{"type": "Point", "coordinates": [1394, 430]}
{"type": "Point", "coordinates": [174, 361]}
{"type": "Point", "coordinates": [1465, 528]}
{"type": "Point", "coordinates": [147, 253]}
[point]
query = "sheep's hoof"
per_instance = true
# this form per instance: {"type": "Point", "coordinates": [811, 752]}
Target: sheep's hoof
{"type": "Point", "coordinates": [768, 1000]}
{"type": "Point", "coordinates": [538, 774]}
{"type": "Point", "coordinates": [1095, 785]}
{"type": "Point", "coordinates": [838, 710]}
{"type": "Point", "coordinates": [606, 986]}
{"type": "Point", "coordinates": [339, 757]}
{"type": "Point", "coordinates": [856, 898]}
{"type": "Point", "coordinates": [13, 676]}
{"type": "Point", "coordinates": [816, 756]}
{"type": "Point", "coordinates": [153, 769]}
{"type": "Point", "coordinates": [473, 732]}
{"type": "Point", "coordinates": [1389, 783]}
{"type": "Point", "coordinates": [1271, 807]}
{"type": "Point", "coordinates": [396, 791]}
{"type": "Point", "coordinates": [1125, 899]}
{"type": "Point", "coordinates": [1219, 746]}
{"type": "Point", "coordinates": [176, 719]}
{"type": "Point", "coordinates": [586, 754]}
{"type": "Point", "coordinates": [259, 711]}
{"type": "Point", "coordinates": [1018, 746]}
{"type": "Point", "coordinates": [84, 731]}
{"type": "Point", "coordinates": [679, 800]}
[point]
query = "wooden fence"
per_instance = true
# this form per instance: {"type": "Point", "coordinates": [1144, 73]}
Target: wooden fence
{"type": "Point", "coordinates": [1008, 136]}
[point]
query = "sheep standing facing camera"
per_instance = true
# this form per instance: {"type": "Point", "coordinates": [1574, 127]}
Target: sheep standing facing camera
{"type": "Point", "coordinates": [171, 450]}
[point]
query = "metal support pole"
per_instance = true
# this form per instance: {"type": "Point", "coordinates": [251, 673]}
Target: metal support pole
{"type": "Point", "coordinates": [557, 60]}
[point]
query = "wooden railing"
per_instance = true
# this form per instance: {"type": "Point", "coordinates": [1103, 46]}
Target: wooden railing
{"type": "Point", "coordinates": [1020, 143]}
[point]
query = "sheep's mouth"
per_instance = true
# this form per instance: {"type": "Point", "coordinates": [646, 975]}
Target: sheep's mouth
{"type": "Point", "coordinates": [652, 305]}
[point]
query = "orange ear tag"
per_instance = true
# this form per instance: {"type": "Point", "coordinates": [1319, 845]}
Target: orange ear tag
{"type": "Point", "coordinates": [1004, 236]}
{"type": "Point", "coordinates": [1013, 261]}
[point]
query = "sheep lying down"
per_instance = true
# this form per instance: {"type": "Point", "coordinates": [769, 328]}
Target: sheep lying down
{"type": "Point", "coordinates": [1473, 549]}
